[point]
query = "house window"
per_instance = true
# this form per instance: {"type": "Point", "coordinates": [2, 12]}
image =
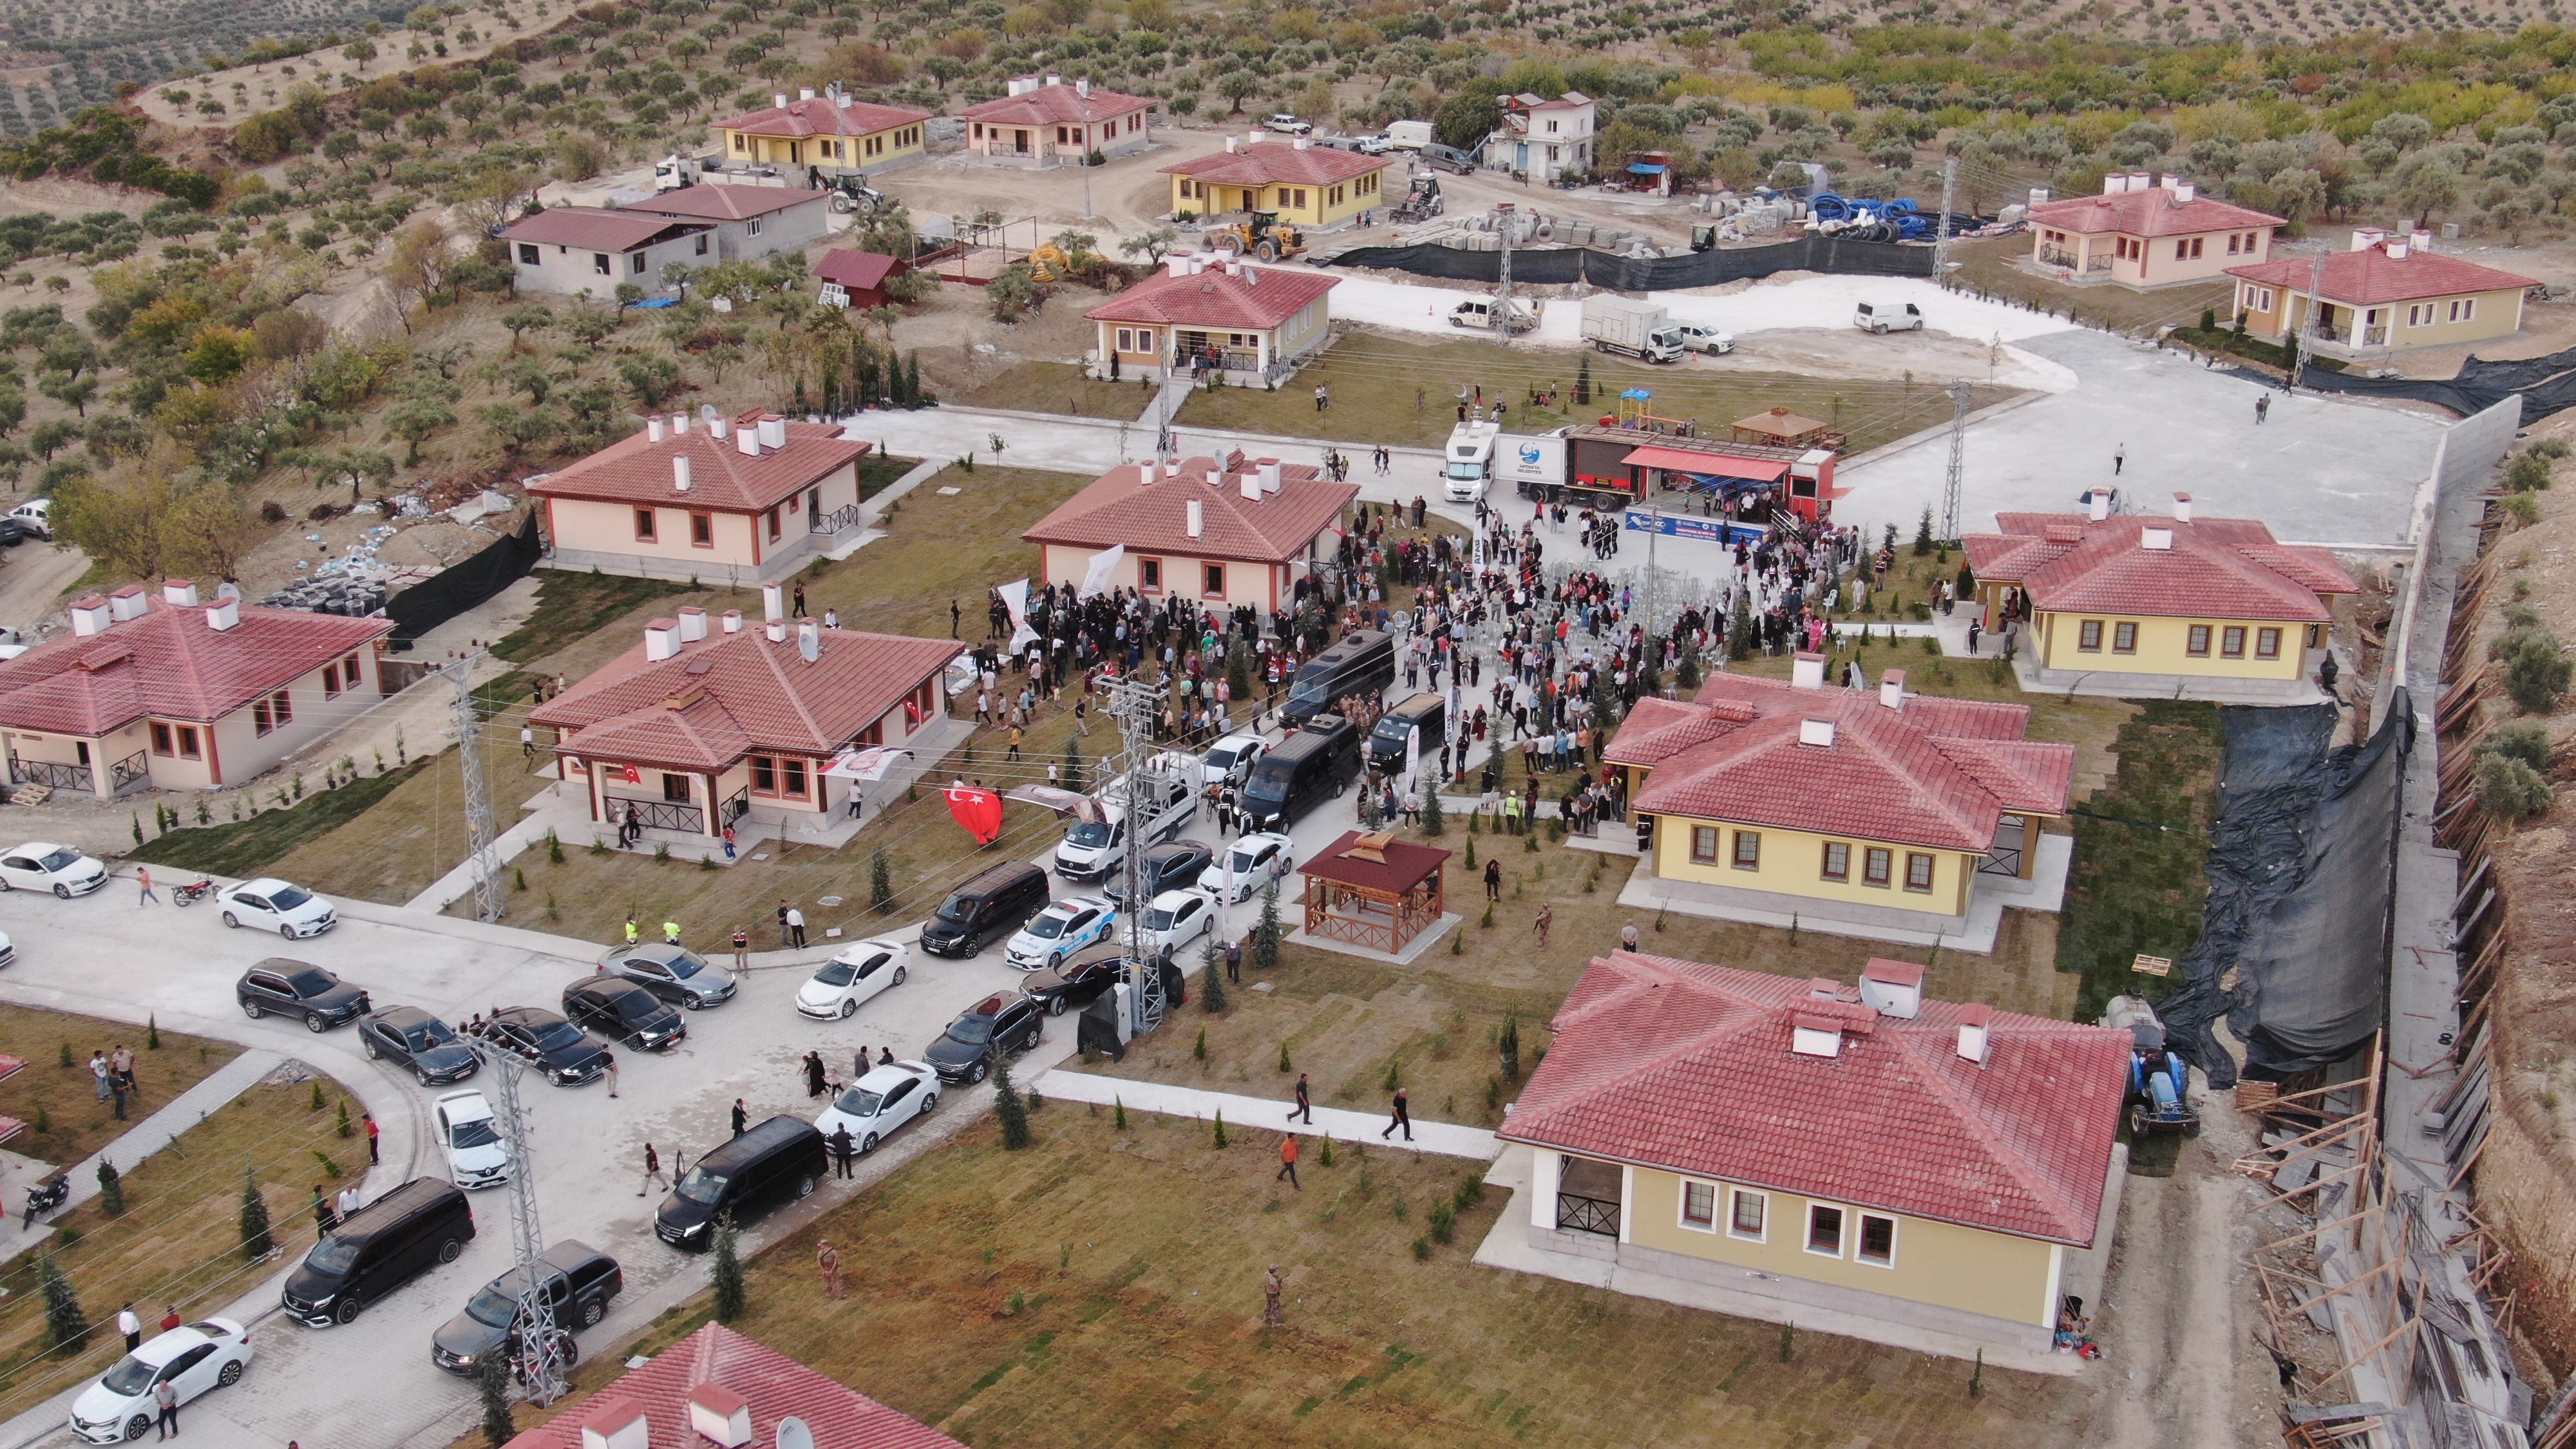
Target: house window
{"type": "Point", "coordinates": [188, 742]}
{"type": "Point", "coordinates": [2234, 242]}
{"type": "Point", "coordinates": [2187, 248]}
{"type": "Point", "coordinates": [764, 775]}
{"type": "Point", "coordinates": [330, 682]}
{"type": "Point", "coordinates": [528, 254]}
{"type": "Point", "coordinates": [2197, 645]}
{"type": "Point", "coordinates": [1149, 575]}
{"type": "Point", "coordinates": [702, 243]}
{"type": "Point", "coordinates": [180, 740]}
{"type": "Point", "coordinates": [772, 516]}
{"type": "Point", "coordinates": [2258, 299]}
{"type": "Point", "coordinates": [752, 226]}
{"type": "Point", "coordinates": [1748, 850]}
{"type": "Point", "coordinates": [741, 143]}
{"type": "Point", "coordinates": [2267, 643]}
{"type": "Point", "coordinates": [1703, 845]}
{"type": "Point", "coordinates": [1877, 1245]}
{"type": "Point", "coordinates": [2124, 638]}
{"type": "Point", "coordinates": [791, 778]}
{"type": "Point", "coordinates": [1825, 1230]}
{"type": "Point", "coordinates": [161, 739]}
{"type": "Point", "coordinates": [2421, 314]}
{"type": "Point", "coordinates": [1212, 580]}
{"type": "Point", "coordinates": [1918, 872]}
{"type": "Point", "coordinates": [702, 530]}
{"type": "Point", "coordinates": [272, 712]}
{"type": "Point", "coordinates": [635, 264]}
{"type": "Point", "coordinates": [2463, 308]}
{"type": "Point", "coordinates": [2231, 642]}
{"type": "Point", "coordinates": [1877, 866]}
{"type": "Point", "coordinates": [2089, 636]}
{"type": "Point", "coordinates": [644, 532]}
{"type": "Point", "coordinates": [350, 678]}
{"type": "Point", "coordinates": [1750, 1218]}
{"type": "Point", "coordinates": [599, 264]}
{"type": "Point", "coordinates": [1837, 860]}
{"type": "Point", "coordinates": [1699, 1205]}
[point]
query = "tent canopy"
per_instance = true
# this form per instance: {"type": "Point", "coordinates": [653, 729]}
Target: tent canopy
{"type": "Point", "coordinates": [1714, 465]}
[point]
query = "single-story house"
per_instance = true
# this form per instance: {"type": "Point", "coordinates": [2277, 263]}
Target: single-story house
{"type": "Point", "coordinates": [750, 221]}
{"type": "Point", "coordinates": [2178, 607]}
{"type": "Point", "coordinates": [1902, 1168]}
{"type": "Point", "coordinates": [2140, 236]}
{"type": "Point", "coordinates": [1217, 532]}
{"type": "Point", "coordinates": [576, 250]}
{"type": "Point", "coordinates": [830, 133]}
{"type": "Point", "coordinates": [753, 498]}
{"type": "Point", "coordinates": [719, 1387]}
{"type": "Point", "coordinates": [1042, 121]}
{"type": "Point", "coordinates": [1543, 139]}
{"type": "Point", "coordinates": [1200, 312]}
{"type": "Point", "coordinates": [2384, 294]}
{"type": "Point", "coordinates": [856, 279]}
{"type": "Point", "coordinates": [174, 694]}
{"type": "Point", "coordinates": [691, 731]}
{"type": "Point", "coordinates": [1306, 184]}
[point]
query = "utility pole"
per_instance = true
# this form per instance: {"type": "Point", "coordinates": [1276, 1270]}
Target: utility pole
{"type": "Point", "coordinates": [540, 1350]}
{"type": "Point", "coordinates": [1505, 215]}
{"type": "Point", "coordinates": [478, 797]}
{"type": "Point", "coordinates": [1941, 237]}
{"type": "Point", "coordinates": [1959, 392]}
{"type": "Point", "coordinates": [1131, 702]}
{"type": "Point", "coordinates": [2316, 318]}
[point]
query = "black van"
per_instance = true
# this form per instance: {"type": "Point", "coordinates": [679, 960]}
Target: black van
{"type": "Point", "coordinates": [777, 1161]}
{"type": "Point", "coordinates": [1362, 663]}
{"type": "Point", "coordinates": [996, 903]}
{"type": "Point", "coordinates": [377, 1249]}
{"type": "Point", "coordinates": [1312, 765]}
{"type": "Point", "coordinates": [1429, 712]}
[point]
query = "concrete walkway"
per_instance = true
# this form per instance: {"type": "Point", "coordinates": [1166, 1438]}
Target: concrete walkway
{"type": "Point", "coordinates": [140, 1141]}
{"type": "Point", "coordinates": [1265, 1114]}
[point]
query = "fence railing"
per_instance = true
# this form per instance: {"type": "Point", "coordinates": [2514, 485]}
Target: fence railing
{"type": "Point", "coordinates": [733, 807]}
{"type": "Point", "coordinates": [50, 774]}
{"type": "Point", "coordinates": [658, 814]}
{"type": "Point", "coordinates": [134, 769]}
{"type": "Point", "coordinates": [838, 520]}
{"type": "Point", "coordinates": [1587, 1215]}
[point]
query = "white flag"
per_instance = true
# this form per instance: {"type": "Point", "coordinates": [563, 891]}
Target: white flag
{"type": "Point", "coordinates": [1015, 599]}
{"type": "Point", "coordinates": [1095, 582]}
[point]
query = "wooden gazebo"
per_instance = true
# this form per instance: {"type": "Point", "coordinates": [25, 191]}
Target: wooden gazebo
{"type": "Point", "coordinates": [1370, 889]}
{"type": "Point", "coordinates": [1781, 428]}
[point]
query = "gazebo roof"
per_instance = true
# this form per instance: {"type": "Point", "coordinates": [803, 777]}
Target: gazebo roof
{"type": "Point", "coordinates": [1778, 422]}
{"type": "Point", "coordinates": [1375, 862]}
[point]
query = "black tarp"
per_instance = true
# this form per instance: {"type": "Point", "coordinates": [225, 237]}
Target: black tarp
{"type": "Point", "coordinates": [1559, 265]}
{"type": "Point", "coordinates": [2301, 876]}
{"type": "Point", "coordinates": [433, 601]}
{"type": "Point", "coordinates": [2546, 384]}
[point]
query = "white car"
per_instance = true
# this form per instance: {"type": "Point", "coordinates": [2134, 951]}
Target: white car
{"type": "Point", "coordinates": [36, 516]}
{"type": "Point", "coordinates": [1175, 919]}
{"type": "Point", "coordinates": [1060, 930]}
{"type": "Point", "coordinates": [1698, 338]}
{"type": "Point", "coordinates": [469, 1132]}
{"type": "Point", "coordinates": [1287, 125]}
{"type": "Point", "coordinates": [1230, 760]}
{"type": "Point", "coordinates": [270, 904]}
{"type": "Point", "coordinates": [119, 1406]}
{"type": "Point", "coordinates": [859, 972]}
{"type": "Point", "coordinates": [876, 1104]}
{"type": "Point", "coordinates": [1253, 861]}
{"type": "Point", "coordinates": [39, 866]}
{"type": "Point", "coordinates": [1377, 145]}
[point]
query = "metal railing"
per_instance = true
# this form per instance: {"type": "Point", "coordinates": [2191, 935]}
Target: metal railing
{"type": "Point", "coordinates": [838, 520]}
{"type": "Point", "coordinates": [2002, 860]}
{"type": "Point", "coordinates": [51, 774]}
{"type": "Point", "coordinates": [657, 814]}
{"type": "Point", "coordinates": [134, 769]}
{"type": "Point", "coordinates": [733, 807]}
{"type": "Point", "coordinates": [1587, 1215]}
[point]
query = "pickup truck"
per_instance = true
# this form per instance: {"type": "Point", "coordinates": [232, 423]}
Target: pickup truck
{"type": "Point", "coordinates": [1096, 850]}
{"type": "Point", "coordinates": [1287, 125]}
{"type": "Point", "coordinates": [1698, 338]}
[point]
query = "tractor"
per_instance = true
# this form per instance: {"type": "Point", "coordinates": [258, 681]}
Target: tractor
{"type": "Point", "coordinates": [1261, 233]}
{"type": "Point", "coordinates": [2159, 1081]}
{"type": "Point", "coordinates": [1421, 203]}
{"type": "Point", "coordinates": [852, 193]}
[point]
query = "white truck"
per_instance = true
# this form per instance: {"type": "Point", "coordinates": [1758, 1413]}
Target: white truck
{"type": "Point", "coordinates": [1530, 463]}
{"type": "Point", "coordinates": [1467, 470]}
{"type": "Point", "coordinates": [675, 172]}
{"type": "Point", "coordinates": [1700, 337]}
{"type": "Point", "coordinates": [1638, 329]}
{"type": "Point", "coordinates": [1481, 312]}
{"type": "Point", "coordinates": [1408, 135]}
{"type": "Point", "coordinates": [1097, 849]}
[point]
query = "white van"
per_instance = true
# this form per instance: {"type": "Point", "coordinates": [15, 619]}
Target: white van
{"type": "Point", "coordinates": [1885, 317]}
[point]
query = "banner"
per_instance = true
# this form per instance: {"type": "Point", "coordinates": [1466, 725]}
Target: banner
{"type": "Point", "coordinates": [868, 764]}
{"type": "Point", "coordinates": [1015, 600]}
{"type": "Point", "coordinates": [979, 810]}
{"type": "Point", "coordinates": [1688, 525]}
{"type": "Point", "coordinates": [1105, 563]}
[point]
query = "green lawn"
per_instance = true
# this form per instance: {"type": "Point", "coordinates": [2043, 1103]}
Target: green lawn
{"type": "Point", "coordinates": [2136, 888]}
{"type": "Point", "coordinates": [1059, 387]}
{"type": "Point", "coordinates": [250, 847]}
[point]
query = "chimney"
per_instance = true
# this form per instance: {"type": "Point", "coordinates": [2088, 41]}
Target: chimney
{"type": "Point", "coordinates": [2396, 250]}
{"type": "Point", "coordinates": [1891, 689]}
{"type": "Point", "coordinates": [1082, 88]}
{"type": "Point", "coordinates": [1229, 143]}
{"type": "Point", "coordinates": [680, 472]}
{"type": "Point", "coordinates": [779, 100]}
{"type": "Point", "coordinates": [2039, 196]}
{"type": "Point", "coordinates": [842, 100]}
{"type": "Point", "coordinates": [2159, 539]}
{"type": "Point", "coordinates": [1893, 987]}
{"type": "Point", "coordinates": [1807, 671]}
{"type": "Point", "coordinates": [1818, 732]}
{"type": "Point", "coordinates": [2114, 184]}
{"type": "Point", "coordinates": [653, 429]}
{"type": "Point", "coordinates": [1816, 1036]}
{"type": "Point", "coordinates": [733, 621]}
{"type": "Point", "coordinates": [2182, 508]}
{"type": "Point", "coordinates": [1198, 518]}
{"type": "Point", "coordinates": [777, 631]}
{"type": "Point", "coordinates": [679, 425]}
{"type": "Point", "coordinates": [1172, 466]}
{"type": "Point", "coordinates": [773, 602]}
{"type": "Point", "coordinates": [1054, 78]}
{"type": "Point", "coordinates": [126, 603]}
{"type": "Point", "coordinates": [2366, 237]}
{"type": "Point", "coordinates": [2097, 502]}
{"type": "Point", "coordinates": [223, 614]}
{"type": "Point", "coordinates": [1178, 264]}
{"type": "Point", "coordinates": [2184, 192]}
{"type": "Point", "coordinates": [2138, 181]}
{"type": "Point", "coordinates": [721, 1415]}
{"type": "Point", "coordinates": [716, 428]}
{"type": "Point", "coordinates": [179, 593]}
{"type": "Point", "coordinates": [1268, 471]}
{"type": "Point", "coordinates": [1023, 84]}
{"type": "Point", "coordinates": [2422, 241]}
{"type": "Point", "coordinates": [746, 439]}
{"type": "Point", "coordinates": [773, 431]}
{"type": "Point", "coordinates": [1973, 1020]}
{"type": "Point", "coordinates": [90, 615]}
{"type": "Point", "coordinates": [615, 1422]}
{"type": "Point", "coordinates": [661, 639]}
{"type": "Point", "coordinates": [1300, 144]}
{"type": "Point", "coordinates": [693, 624]}
{"type": "Point", "coordinates": [1251, 487]}
{"type": "Point", "coordinates": [2168, 181]}
{"type": "Point", "coordinates": [809, 640]}
{"type": "Point", "coordinates": [805, 94]}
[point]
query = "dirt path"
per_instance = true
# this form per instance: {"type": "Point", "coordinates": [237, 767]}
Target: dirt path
{"type": "Point", "coordinates": [33, 578]}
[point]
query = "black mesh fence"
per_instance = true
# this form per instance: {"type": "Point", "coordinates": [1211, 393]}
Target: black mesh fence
{"type": "Point", "coordinates": [2546, 384]}
{"type": "Point", "coordinates": [1558, 265]}
{"type": "Point", "coordinates": [433, 601]}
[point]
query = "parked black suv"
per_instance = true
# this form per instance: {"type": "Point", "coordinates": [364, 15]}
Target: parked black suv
{"type": "Point", "coordinates": [376, 1250]}
{"type": "Point", "coordinates": [674, 973]}
{"type": "Point", "coordinates": [1078, 982]}
{"type": "Point", "coordinates": [777, 1161]}
{"type": "Point", "coordinates": [580, 1280]}
{"type": "Point", "coordinates": [993, 1028]}
{"type": "Point", "coordinates": [546, 1040]}
{"type": "Point", "coordinates": [420, 1041]}
{"type": "Point", "coordinates": [1165, 867]}
{"type": "Point", "coordinates": [297, 988]}
{"type": "Point", "coordinates": [993, 904]}
{"type": "Point", "coordinates": [623, 1011]}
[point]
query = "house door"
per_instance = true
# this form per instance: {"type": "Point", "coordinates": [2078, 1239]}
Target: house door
{"type": "Point", "coordinates": [813, 507]}
{"type": "Point", "coordinates": [1020, 142]}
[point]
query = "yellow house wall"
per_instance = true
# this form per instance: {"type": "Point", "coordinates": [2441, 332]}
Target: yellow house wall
{"type": "Point", "coordinates": [2162, 646]}
{"type": "Point", "coordinates": [2265, 322]}
{"type": "Point", "coordinates": [1793, 864]}
{"type": "Point", "coordinates": [1358, 194]}
{"type": "Point", "coordinates": [2499, 314]}
{"type": "Point", "coordinates": [1259, 584]}
{"type": "Point", "coordinates": [1943, 1264]}
{"type": "Point", "coordinates": [610, 528]}
{"type": "Point", "coordinates": [876, 148]}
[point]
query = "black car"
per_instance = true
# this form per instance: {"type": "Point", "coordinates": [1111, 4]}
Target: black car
{"type": "Point", "coordinates": [622, 1011]}
{"type": "Point", "coordinates": [674, 973]}
{"type": "Point", "coordinates": [546, 1040]}
{"type": "Point", "coordinates": [297, 988]}
{"type": "Point", "coordinates": [580, 1280]}
{"type": "Point", "coordinates": [1078, 982]}
{"type": "Point", "coordinates": [413, 1038]}
{"type": "Point", "coordinates": [993, 1028]}
{"type": "Point", "coordinates": [773, 1162]}
{"type": "Point", "coordinates": [1165, 867]}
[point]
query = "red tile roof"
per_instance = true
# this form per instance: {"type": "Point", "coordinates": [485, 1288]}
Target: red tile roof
{"type": "Point", "coordinates": [1247, 299]}
{"type": "Point", "coordinates": [1269, 163]}
{"type": "Point", "coordinates": [859, 270]}
{"type": "Point", "coordinates": [170, 664]}
{"type": "Point", "coordinates": [2152, 212]}
{"type": "Point", "coordinates": [729, 695]}
{"type": "Point", "coordinates": [1130, 504]}
{"type": "Point", "coordinates": [711, 201]}
{"type": "Point", "coordinates": [1937, 773]}
{"type": "Point", "coordinates": [1406, 864]}
{"type": "Point", "coordinates": [770, 1383]}
{"type": "Point", "coordinates": [1686, 1067]}
{"type": "Point", "coordinates": [723, 478]}
{"type": "Point", "coordinates": [2218, 568]}
{"type": "Point", "coordinates": [596, 228]}
{"type": "Point", "coordinates": [1056, 104]}
{"type": "Point", "coordinates": [2372, 277]}
{"type": "Point", "coordinates": [823, 117]}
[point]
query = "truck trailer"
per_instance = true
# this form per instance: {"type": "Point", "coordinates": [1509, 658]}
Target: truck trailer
{"type": "Point", "coordinates": [1635, 329]}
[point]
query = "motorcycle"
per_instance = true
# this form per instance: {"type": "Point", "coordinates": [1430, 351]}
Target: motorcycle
{"type": "Point", "coordinates": [189, 895]}
{"type": "Point", "coordinates": [44, 1197]}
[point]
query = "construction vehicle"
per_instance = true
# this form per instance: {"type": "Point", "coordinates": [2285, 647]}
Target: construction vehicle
{"type": "Point", "coordinates": [2159, 1081]}
{"type": "Point", "coordinates": [851, 192]}
{"type": "Point", "coordinates": [1421, 203]}
{"type": "Point", "coordinates": [675, 172]}
{"type": "Point", "coordinates": [1260, 233]}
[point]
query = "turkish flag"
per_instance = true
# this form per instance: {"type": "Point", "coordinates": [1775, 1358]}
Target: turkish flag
{"type": "Point", "coordinates": [980, 811]}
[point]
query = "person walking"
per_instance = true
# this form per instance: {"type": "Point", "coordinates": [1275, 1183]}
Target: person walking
{"type": "Point", "coordinates": [1234, 963]}
{"type": "Point", "coordinates": [634, 932]}
{"type": "Point", "coordinates": [325, 1217]}
{"type": "Point", "coordinates": [742, 948]}
{"type": "Point", "coordinates": [1628, 936]}
{"type": "Point", "coordinates": [1288, 1162]}
{"type": "Point", "coordinates": [828, 1258]}
{"type": "Point", "coordinates": [1305, 1109]}
{"type": "Point", "coordinates": [1402, 1117]}
{"type": "Point", "coordinates": [350, 1201]}
{"type": "Point", "coordinates": [1493, 880]}
{"type": "Point", "coordinates": [165, 1395]}
{"type": "Point", "coordinates": [99, 1070]}
{"type": "Point", "coordinates": [143, 877]}
{"type": "Point", "coordinates": [670, 933]}
{"type": "Point", "coordinates": [741, 1117]}
{"type": "Point", "coordinates": [653, 1177]}
{"type": "Point", "coordinates": [1272, 1286]}
{"type": "Point", "coordinates": [1546, 918]}
{"type": "Point", "coordinates": [813, 1074]}
{"type": "Point", "coordinates": [1973, 632]}
{"type": "Point", "coordinates": [2262, 408]}
{"type": "Point", "coordinates": [608, 1067]}
{"type": "Point", "coordinates": [796, 925]}
{"type": "Point", "coordinates": [843, 1150]}
{"type": "Point", "coordinates": [782, 922]}
{"type": "Point", "coordinates": [2119, 459]}
{"type": "Point", "coordinates": [171, 1319]}
{"type": "Point", "coordinates": [375, 1150]}
{"type": "Point", "coordinates": [116, 1088]}
{"type": "Point", "coordinates": [1014, 752]}
{"type": "Point", "coordinates": [131, 1326]}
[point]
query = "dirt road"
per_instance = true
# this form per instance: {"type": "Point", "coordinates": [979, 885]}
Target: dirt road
{"type": "Point", "coordinates": [33, 578]}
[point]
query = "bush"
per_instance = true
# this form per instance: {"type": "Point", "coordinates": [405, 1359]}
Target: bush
{"type": "Point", "coordinates": [2536, 667]}
{"type": "Point", "coordinates": [65, 1323]}
{"type": "Point", "coordinates": [257, 1241]}
{"type": "Point", "coordinates": [732, 1293]}
{"type": "Point", "coordinates": [2508, 789]}
{"type": "Point", "coordinates": [2526, 740]}
{"type": "Point", "coordinates": [111, 1189]}
{"type": "Point", "coordinates": [1013, 1112]}
{"type": "Point", "coordinates": [2526, 472]}
{"type": "Point", "coordinates": [492, 1384]}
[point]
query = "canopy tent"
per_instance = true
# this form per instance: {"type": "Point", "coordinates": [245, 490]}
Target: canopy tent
{"type": "Point", "coordinates": [1710, 465]}
{"type": "Point", "coordinates": [1645, 168]}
